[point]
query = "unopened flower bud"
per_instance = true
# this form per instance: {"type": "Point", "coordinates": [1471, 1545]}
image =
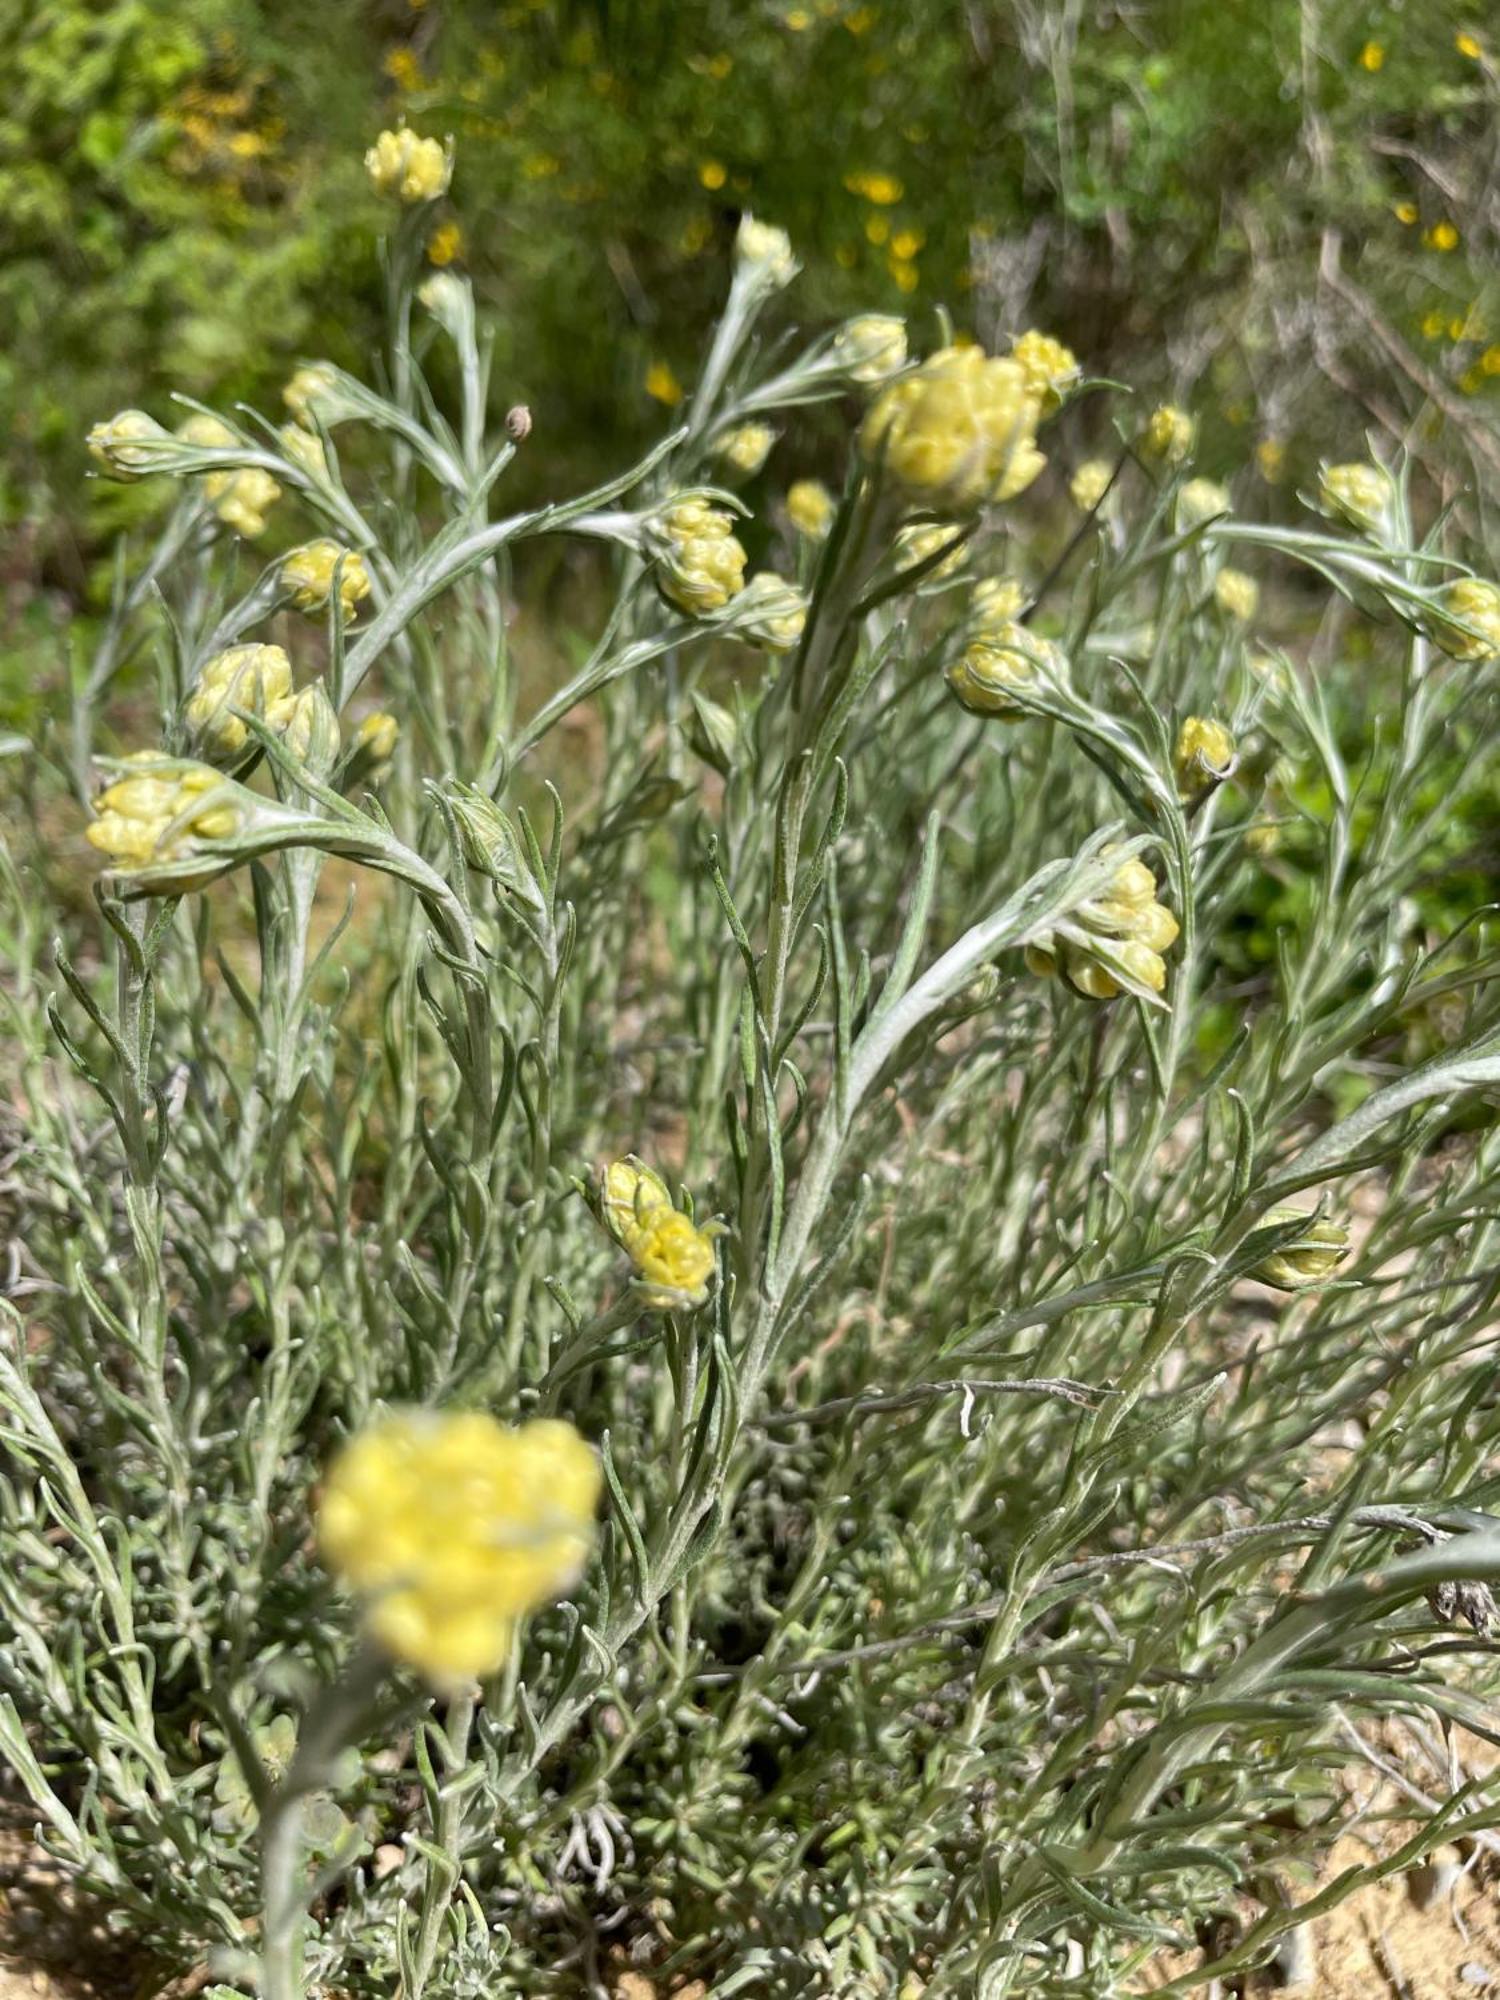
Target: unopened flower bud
{"type": "Point", "coordinates": [309, 574]}
{"type": "Point", "coordinates": [700, 565]}
{"type": "Point", "coordinates": [1090, 483]}
{"type": "Point", "coordinates": [1006, 660]}
{"type": "Point", "coordinates": [1311, 1258]}
{"type": "Point", "coordinates": [1204, 755]}
{"type": "Point", "coordinates": [305, 448]}
{"type": "Point", "coordinates": [917, 542]}
{"type": "Point", "coordinates": [161, 808]}
{"type": "Point", "coordinates": [489, 840]}
{"type": "Point", "coordinates": [764, 252]}
{"type": "Point", "coordinates": [770, 612]}
{"type": "Point", "coordinates": [129, 446]}
{"type": "Point", "coordinates": [745, 449]}
{"type": "Point", "coordinates": [958, 431]}
{"type": "Point", "coordinates": [312, 396]}
{"type": "Point", "coordinates": [1236, 594]}
{"type": "Point", "coordinates": [810, 508]}
{"type": "Point", "coordinates": [377, 736]}
{"type": "Point", "coordinates": [1474, 603]}
{"type": "Point", "coordinates": [1114, 943]}
{"type": "Point", "coordinates": [409, 169]}
{"type": "Point", "coordinates": [1199, 501]}
{"type": "Point", "coordinates": [995, 603]}
{"type": "Point", "coordinates": [310, 729]}
{"type": "Point", "coordinates": [871, 347]}
{"type": "Point", "coordinates": [1051, 369]}
{"type": "Point", "coordinates": [257, 680]}
{"type": "Point", "coordinates": [1168, 435]}
{"type": "Point", "coordinates": [1363, 495]}
{"type": "Point", "coordinates": [450, 300]}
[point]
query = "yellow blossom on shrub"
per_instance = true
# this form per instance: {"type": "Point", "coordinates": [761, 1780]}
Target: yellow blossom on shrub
{"type": "Point", "coordinates": [124, 445]}
{"type": "Point", "coordinates": [308, 394]}
{"type": "Point", "coordinates": [1090, 483]}
{"type": "Point", "coordinates": [770, 612]}
{"type": "Point", "coordinates": [309, 573]}
{"type": "Point", "coordinates": [995, 602]}
{"type": "Point", "coordinates": [746, 448]}
{"type": "Point", "coordinates": [919, 540]}
{"type": "Point", "coordinates": [377, 736]}
{"type": "Point", "coordinates": [239, 496]}
{"type": "Point", "coordinates": [1168, 435]}
{"type": "Point", "coordinates": [1113, 942]}
{"type": "Point", "coordinates": [407, 168]}
{"type": "Point", "coordinates": [1474, 601]}
{"type": "Point", "coordinates": [674, 1260]}
{"type": "Point", "coordinates": [631, 1194]}
{"type": "Point", "coordinates": [1200, 500]}
{"type": "Point", "coordinates": [810, 508]}
{"type": "Point", "coordinates": [257, 679]}
{"type": "Point", "coordinates": [1204, 755]}
{"type": "Point", "coordinates": [1311, 1258]}
{"type": "Point", "coordinates": [1360, 494]}
{"type": "Point", "coordinates": [159, 808]}
{"type": "Point", "coordinates": [1051, 369]}
{"type": "Point", "coordinates": [452, 1526]}
{"type": "Point", "coordinates": [765, 252]}
{"type": "Point", "coordinates": [700, 563]}
{"type": "Point", "coordinates": [445, 244]}
{"type": "Point", "coordinates": [1236, 594]}
{"type": "Point", "coordinates": [871, 347]}
{"type": "Point", "coordinates": [304, 448]}
{"type": "Point", "coordinates": [958, 431]}
{"type": "Point", "coordinates": [999, 661]}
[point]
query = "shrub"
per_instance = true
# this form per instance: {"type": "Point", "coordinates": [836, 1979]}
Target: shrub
{"type": "Point", "coordinates": [775, 1081]}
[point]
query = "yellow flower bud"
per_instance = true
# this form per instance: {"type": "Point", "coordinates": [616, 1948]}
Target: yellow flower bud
{"type": "Point", "coordinates": [1475, 602]}
{"type": "Point", "coordinates": [312, 395]}
{"type": "Point", "coordinates": [1361, 494]}
{"type": "Point", "coordinates": [1051, 369]}
{"type": "Point", "coordinates": [1199, 501]}
{"type": "Point", "coordinates": [871, 347]}
{"type": "Point", "coordinates": [128, 446]}
{"type": "Point", "coordinates": [304, 448]}
{"type": "Point", "coordinates": [255, 679]}
{"type": "Point", "coordinates": [745, 449]}
{"type": "Point", "coordinates": [958, 431]}
{"type": "Point", "coordinates": [994, 604]}
{"type": "Point", "coordinates": [452, 1526]}
{"type": "Point", "coordinates": [1114, 942]}
{"type": "Point", "coordinates": [1090, 483]}
{"type": "Point", "coordinates": [1204, 755]}
{"type": "Point", "coordinates": [241, 496]}
{"type": "Point", "coordinates": [770, 612]}
{"type": "Point", "coordinates": [1236, 594]}
{"type": "Point", "coordinates": [631, 1196]}
{"type": "Point", "coordinates": [700, 565]}
{"type": "Point", "coordinates": [409, 169]}
{"type": "Point", "coordinates": [993, 667]}
{"type": "Point", "coordinates": [674, 1260]}
{"type": "Point", "coordinates": [377, 736]}
{"type": "Point", "coordinates": [919, 540]}
{"type": "Point", "coordinates": [1168, 435]}
{"type": "Point", "coordinates": [810, 508]}
{"type": "Point", "coordinates": [309, 574]}
{"type": "Point", "coordinates": [764, 252]}
{"type": "Point", "coordinates": [310, 729]}
{"type": "Point", "coordinates": [1311, 1258]}
{"type": "Point", "coordinates": [160, 809]}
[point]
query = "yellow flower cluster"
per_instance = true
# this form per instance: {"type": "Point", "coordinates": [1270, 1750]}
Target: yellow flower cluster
{"type": "Point", "coordinates": [1360, 494]}
{"type": "Point", "coordinates": [1236, 594]}
{"type": "Point", "coordinates": [1113, 943]}
{"type": "Point", "coordinates": [239, 497]}
{"type": "Point", "coordinates": [377, 737]}
{"type": "Point", "coordinates": [770, 612]}
{"type": "Point", "coordinates": [304, 448]}
{"type": "Point", "coordinates": [764, 252]}
{"type": "Point", "coordinates": [1051, 369]}
{"type": "Point", "coordinates": [997, 662]}
{"type": "Point", "coordinates": [1090, 483]}
{"type": "Point", "coordinates": [1200, 500]}
{"type": "Point", "coordinates": [452, 1527]}
{"type": "Point", "coordinates": [673, 1257]}
{"type": "Point", "coordinates": [700, 563]}
{"type": "Point", "coordinates": [309, 572]}
{"type": "Point", "coordinates": [810, 508]}
{"type": "Point", "coordinates": [160, 809]}
{"type": "Point", "coordinates": [958, 431]}
{"type": "Point", "coordinates": [872, 347]}
{"type": "Point", "coordinates": [1168, 435]}
{"type": "Point", "coordinates": [1475, 602]}
{"type": "Point", "coordinates": [256, 679]}
{"type": "Point", "coordinates": [919, 540]}
{"type": "Point", "coordinates": [1204, 755]}
{"type": "Point", "coordinates": [994, 603]}
{"type": "Point", "coordinates": [745, 449]}
{"type": "Point", "coordinates": [309, 394]}
{"type": "Point", "coordinates": [409, 169]}
{"type": "Point", "coordinates": [128, 445]}
{"type": "Point", "coordinates": [1309, 1259]}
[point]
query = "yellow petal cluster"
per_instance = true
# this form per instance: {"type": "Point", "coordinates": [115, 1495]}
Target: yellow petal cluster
{"type": "Point", "coordinates": [745, 449]}
{"type": "Point", "coordinates": [957, 431]}
{"type": "Point", "coordinates": [998, 662]}
{"type": "Point", "coordinates": [700, 562]}
{"type": "Point", "coordinates": [1361, 494]}
{"type": "Point", "coordinates": [871, 347]}
{"type": "Point", "coordinates": [1475, 602]}
{"type": "Point", "coordinates": [409, 169]}
{"type": "Point", "coordinates": [1236, 594]}
{"type": "Point", "coordinates": [919, 540]}
{"type": "Point", "coordinates": [770, 612]}
{"type": "Point", "coordinates": [309, 574]}
{"type": "Point", "coordinates": [1203, 756]}
{"type": "Point", "coordinates": [1051, 369]}
{"type": "Point", "coordinates": [127, 446]}
{"type": "Point", "coordinates": [995, 603]}
{"type": "Point", "coordinates": [256, 679]}
{"type": "Point", "coordinates": [309, 394]}
{"type": "Point", "coordinates": [1199, 501]}
{"type": "Point", "coordinates": [240, 496]}
{"type": "Point", "coordinates": [1168, 436]}
{"type": "Point", "coordinates": [1090, 483]}
{"type": "Point", "coordinates": [1114, 941]}
{"type": "Point", "coordinates": [810, 508]}
{"type": "Point", "coordinates": [673, 1257]}
{"type": "Point", "coordinates": [377, 736]}
{"type": "Point", "coordinates": [452, 1526]}
{"type": "Point", "coordinates": [765, 252]}
{"type": "Point", "coordinates": [158, 810]}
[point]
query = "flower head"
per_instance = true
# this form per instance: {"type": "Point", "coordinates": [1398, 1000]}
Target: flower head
{"type": "Point", "coordinates": [309, 726]}
{"type": "Point", "coordinates": [1236, 594]}
{"type": "Point", "coordinates": [304, 448]}
{"type": "Point", "coordinates": [1361, 494]}
{"type": "Point", "coordinates": [240, 496]}
{"type": "Point", "coordinates": [377, 736]}
{"type": "Point", "coordinates": [871, 347]}
{"type": "Point", "coordinates": [1113, 943]}
{"type": "Point", "coordinates": [1051, 369]}
{"type": "Point", "coordinates": [129, 445]}
{"type": "Point", "coordinates": [745, 449]}
{"type": "Point", "coordinates": [919, 540]}
{"type": "Point", "coordinates": [1199, 501]}
{"type": "Point", "coordinates": [810, 508]}
{"type": "Point", "coordinates": [957, 431]}
{"type": "Point", "coordinates": [1474, 602]}
{"type": "Point", "coordinates": [994, 604]}
{"type": "Point", "coordinates": [452, 1527]}
{"type": "Point", "coordinates": [1204, 755]}
{"type": "Point", "coordinates": [764, 252]}
{"type": "Point", "coordinates": [999, 662]}
{"type": "Point", "coordinates": [1311, 1258]}
{"type": "Point", "coordinates": [160, 809]}
{"type": "Point", "coordinates": [255, 679]}
{"type": "Point", "coordinates": [770, 612]}
{"type": "Point", "coordinates": [309, 574]}
{"type": "Point", "coordinates": [312, 395]}
{"type": "Point", "coordinates": [409, 169]}
{"type": "Point", "coordinates": [1168, 435]}
{"type": "Point", "coordinates": [673, 1257]}
{"type": "Point", "coordinates": [700, 564]}
{"type": "Point", "coordinates": [1090, 483]}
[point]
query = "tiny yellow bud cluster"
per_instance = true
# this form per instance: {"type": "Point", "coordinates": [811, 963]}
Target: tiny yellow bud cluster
{"type": "Point", "coordinates": [1090, 483]}
{"type": "Point", "coordinates": [994, 604]}
{"type": "Point", "coordinates": [871, 347]}
{"type": "Point", "coordinates": [1000, 661]}
{"type": "Point", "coordinates": [1199, 501]}
{"type": "Point", "coordinates": [1168, 435]}
{"type": "Point", "coordinates": [1236, 594]}
{"type": "Point", "coordinates": [1113, 943]}
{"type": "Point", "coordinates": [309, 574]}
{"type": "Point", "coordinates": [810, 508]}
{"type": "Point", "coordinates": [1360, 494]}
{"type": "Point", "coordinates": [408, 169]}
{"type": "Point", "coordinates": [256, 679]}
{"type": "Point", "coordinates": [304, 448]}
{"type": "Point", "coordinates": [1474, 602]}
{"type": "Point", "coordinates": [673, 1257]}
{"type": "Point", "coordinates": [764, 252]}
{"type": "Point", "coordinates": [1051, 369]}
{"type": "Point", "coordinates": [958, 431]}
{"type": "Point", "coordinates": [745, 449]}
{"type": "Point", "coordinates": [916, 542]}
{"type": "Point", "coordinates": [770, 612]}
{"type": "Point", "coordinates": [160, 809]}
{"type": "Point", "coordinates": [128, 445]}
{"type": "Point", "coordinates": [1204, 756]}
{"type": "Point", "coordinates": [700, 564]}
{"type": "Point", "coordinates": [1309, 1259]}
{"type": "Point", "coordinates": [240, 497]}
{"type": "Point", "coordinates": [311, 394]}
{"type": "Point", "coordinates": [453, 1526]}
{"type": "Point", "coordinates": [377, 737]}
